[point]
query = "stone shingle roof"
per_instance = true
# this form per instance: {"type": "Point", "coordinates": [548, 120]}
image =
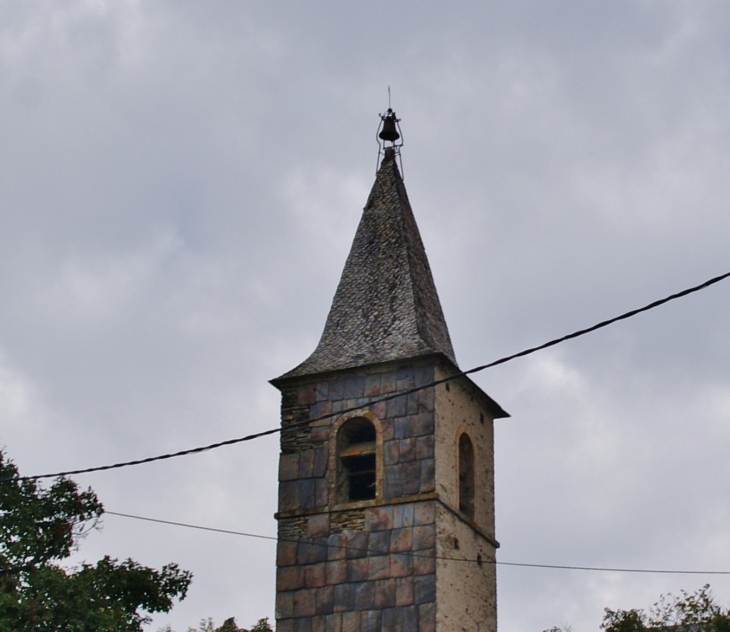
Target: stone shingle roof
{"type": "Point", "coordinates": [386, 306]}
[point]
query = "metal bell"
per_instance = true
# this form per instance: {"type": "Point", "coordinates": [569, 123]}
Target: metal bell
{"type": "Point", "coordinates": [389, 131]}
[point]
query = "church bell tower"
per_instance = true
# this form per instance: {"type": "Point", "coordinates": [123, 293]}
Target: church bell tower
{"type": "Point", "coordinates": [386, 507]}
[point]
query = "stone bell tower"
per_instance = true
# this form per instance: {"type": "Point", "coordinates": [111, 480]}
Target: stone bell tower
{"type": "Point", "coordinates": [386, 510]}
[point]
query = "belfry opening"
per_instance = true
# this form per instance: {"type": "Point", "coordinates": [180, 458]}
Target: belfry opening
{"type": "Point", "coordinates": [356, 454]}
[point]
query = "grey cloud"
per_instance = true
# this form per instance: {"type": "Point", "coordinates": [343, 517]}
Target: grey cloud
{"type": "Point", "coordinates": [179, 186]}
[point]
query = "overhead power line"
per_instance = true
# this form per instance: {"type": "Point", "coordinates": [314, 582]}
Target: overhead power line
{"type": "Point", "coordinates": [479, 561]}
{"type": "Point", "coordinates": [503, 360]}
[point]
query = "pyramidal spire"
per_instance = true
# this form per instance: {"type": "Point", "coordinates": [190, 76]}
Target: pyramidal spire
{"type": "Point", "coordinates": [386, 306]}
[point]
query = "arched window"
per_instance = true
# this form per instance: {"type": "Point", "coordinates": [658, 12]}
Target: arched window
{"type": "Point", "coordinates": [356, 465]}
{"type": "Point", "coordinates": [466, 475]}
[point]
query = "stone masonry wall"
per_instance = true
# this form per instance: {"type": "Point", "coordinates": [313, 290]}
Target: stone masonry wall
{"type": "Point", "coordinates": [379, 578]}
{"type": "Point", "coordinates": [459, 410]}
{"type": "Point", "coordinates": [466, 591]}
{"type": "Point", "coordinates": [368, 565]}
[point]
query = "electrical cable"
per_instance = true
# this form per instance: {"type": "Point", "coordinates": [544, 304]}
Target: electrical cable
{"type": "Point", "coordinates": [376, 400]}
{"type": "Point", "coordinates": [417, 554]}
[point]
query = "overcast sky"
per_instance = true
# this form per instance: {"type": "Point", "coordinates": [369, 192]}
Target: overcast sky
{"type": "Point", "coordinates": [180, 183]}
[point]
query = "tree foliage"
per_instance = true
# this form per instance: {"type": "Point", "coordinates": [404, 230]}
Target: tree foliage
{"type": "Point", "coordinates": [229, 625]}
{"type": "Point", "coordinates": [689, 612]}
{"type": "Point", "coordinates": [41, 527]}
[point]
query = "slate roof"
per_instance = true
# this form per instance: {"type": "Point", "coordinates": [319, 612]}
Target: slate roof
{"type": "Point", "coordinates": [386, 306]}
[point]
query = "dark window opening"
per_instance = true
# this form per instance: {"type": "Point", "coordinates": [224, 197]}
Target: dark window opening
{"type": "Point", "coordinates": [361, 471]}
{"type": "Point", "coordinates": [466, 476]}
{"type": "Point", "coordinates": [357, 461]}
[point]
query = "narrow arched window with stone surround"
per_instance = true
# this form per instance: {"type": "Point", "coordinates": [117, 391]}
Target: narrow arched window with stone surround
{"type": "Point", "coordinates": [466, 475]}
{"type": "Point", "coordinates": [356, 460]}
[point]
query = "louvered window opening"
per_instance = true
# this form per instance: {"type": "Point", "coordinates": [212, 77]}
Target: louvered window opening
{"type": "Point", "coordinates": [357, 455]}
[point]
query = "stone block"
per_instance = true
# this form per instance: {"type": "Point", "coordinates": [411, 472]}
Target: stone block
{"type": "Point", "coordinates": [318, 624]}
{"type": "Point", "coordinates": [392, 485]}
{"type": "Point", "coordinates": [320, 409]}
{"type": "Point", "coordinates": [318, 526]}
{"type": "Point", "coordinates": [289, 496]}
{"type": "Point", "coordinates": [427, 475]}
{"type": "Point", "coordinates": [332, 622]}
{"type": "Point", "coordinates": [379, 409]}
{"type": "Point", "coordinates": [305, 602]}
{"type": "Point", "coordinates": [390, 620]}
{"type": "Point", "coordinates": [379, 567]}
{"type": "Point", "coordinates": [424, 588]}
{"type": "Point", "coordinates": [424, 537]}
{"type": "Point", "coordinates": [314, 575]}
{"type": "Point", "coordinates": [378, 542]}
{"type": "Point", "coordinates": [407, 449]}
{"type": "Point", "coordinates": [336, 390]}
{"type": "Point", "coordinates": [285, 625]}
{"type": "Point", "coordinates": [350, 622]}
{"type": "Point", "coordinates": [311, 553]}
{"type": "Point", "coordinates": [370, 621]}
{"type": "Point", "coordinates": [306, 493]}
{"type": "Point", "coordinates": [391, 452]}
{"type": "Point", "coordinates": [306, 395]}
{"type": "Point", "coordinates": [396, 407]}
{"type": "Point", "coordinates": [425, 447]}
{"type": "Point", "coordinates": [412, 404]}
{"type": "Point", "coordinates": [379, 518]}
{"type": "Point", "coordinates": [343, 598]}
{"type": "Point", "coordinates": [423, 424]}
{"type": "Point", "coordinates": [388, 383]}
{"type": "Point", "coordinates": [356, 544]}
{"type": "Point", "coordinates": [303, 625]}
{"type": "Point", "coordinates": [402, 427]}
{"type": "Point", "coordinates": [409, 619]}
{"type": "Point", "coordinates": [364, 595]}
{"type": "Point", "coordinates": [426, 617]}
{"type": "Point", "coordinates": [322, 391]}
{"type": "Point", "coordinates": [320, 434]}
{"type": "Point", "coordinates": [401, 540]}
{"type": "Point", "coordinates": [284, 605]}
{"type": "Point", "coordinates": [424, 562]}
{"type": "Point", "coordinates": [286, 553]}
{"type": "Point", "coordinates": [336, 572]}
{"type": "Point", "coordinates": [336, 547]}
{"type": "Point", "coordinates": [289, 578]}
{"type": "Point", "coordinates": [289, 467]}
{"type": "Point", "coordinates": [410, 477]}
{"type": "Point", "coordinates": [426, 400]}
{"type": "Point", "coordinates": [325, 600]}
{"type": "Point", "coordinates": [403, 515]}
{"type": "Point", "coordinates": [401, 565]}
{"type": "Point", "coordinates": [321, 459]}
{"type": "Point", "coordinates": [423, 375]}
{"type": "Point", "coordinates": [306, 463]}
{"type": "Point", "coordinates": [357, 570]}
{"type": "Point", "coordinates": [405, 378]}
{"type": "Point", "coordinates": [424, 513]}
{"type": "Point", "coordinates": [321, 492]}
{"type": "Point", "coordinates": [372, 385]}
{"type": "Point", "coordinates": [404, 591]}
{"type": "Point", "coordinates": [384, 593]}
{"type": "Point", "coordinates": [354, 387]}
